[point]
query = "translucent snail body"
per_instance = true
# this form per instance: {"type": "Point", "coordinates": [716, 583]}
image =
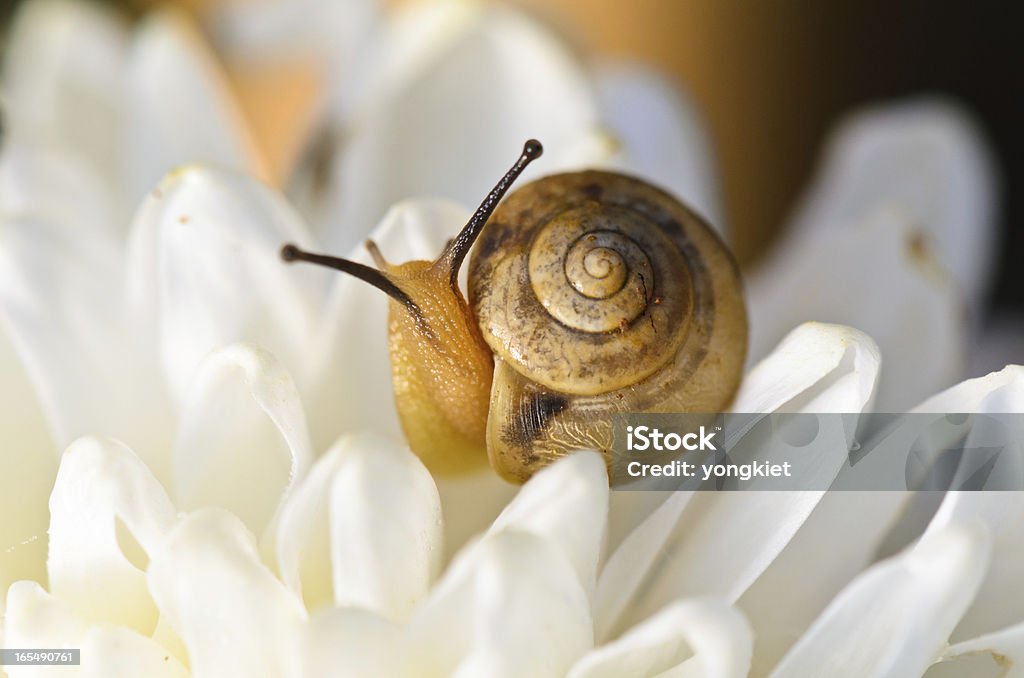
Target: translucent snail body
{"type": "Point", "coordinates": [590, 293]}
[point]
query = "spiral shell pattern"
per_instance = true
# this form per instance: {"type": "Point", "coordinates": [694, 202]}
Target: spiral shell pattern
{"type": "Point", "coordinates": [599, 293]}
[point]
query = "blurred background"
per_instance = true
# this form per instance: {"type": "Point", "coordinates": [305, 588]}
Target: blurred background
{"type": "Point", "coordinates": [773, 77]}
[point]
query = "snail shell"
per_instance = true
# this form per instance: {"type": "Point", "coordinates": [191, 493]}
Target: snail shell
{"type": "Point", "coordinates": [600, 294]}
{"type": "Point", "coordinates": [591, 294]}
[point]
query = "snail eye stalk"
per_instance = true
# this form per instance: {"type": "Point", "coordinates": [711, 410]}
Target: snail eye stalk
{"type": "Point", "coordinates": [454, 252]}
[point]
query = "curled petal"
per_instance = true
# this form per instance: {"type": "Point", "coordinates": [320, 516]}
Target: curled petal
{"type": "Point", "coordinates": [510, 605]}
{"type": "Point", "coordinates": [700, 638]}
{"type": "Point", "coordinates": [1005, 647]}
{"type": "Point", "coordinates": [894, 619]}
{"type": "Point", "coordinates": [234, 616]}
{"type": "Point", "coordinates": [566, 503]}
{"type": "Point", "coordinates": [816, 368]}
{"type": "Point", "coordinates": [108, 515]}
{"type": "Point", "coordinates": [242, 443]}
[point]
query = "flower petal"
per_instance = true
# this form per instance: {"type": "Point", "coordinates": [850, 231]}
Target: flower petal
{"type": "Point", "coordinates": [510, 605]}
{"type": "Point", "coordinates": [243, 441]}
{"type": "Point", "coordinates": [999, 600]}
{"type": "Point", "coordinates": [60, 304]}
{"type": "Point", "coordinates": [894, 619]}
{"type": "Point", "coordinates": [814, 567]}
{"type": "Point", "coordinates": [53, 185]}
{"type": "Point", "coordinates": [926, 158]}
{"type": "Point", "coordinates": [919, 329]}
{"type": "Point", "coordinates": [703, 638]}
{"type": "Point", "coordinates": [235, 617]}
{"type": "Point", "coordinates": [420, 126]}
{"type": "Point", "coordinates": [816, 368]}
{"type": "Point", "coordinates": [179, 106]}
{"type": "Point", "coordinates": [346, 643]}
{"type": "Point", "coordinates": [108, 515]}
{"type": "Point", "coordinates": [1006, 647]}
{"type": "Point", "coordinates": [324, 30]}
{"type": "Point", "coordinates": [204, 271]}
{"type": "Point", "coordinates": [567, 504]}
{"type": "Point", "coordinates": [353, 388]}
{"type": "Point", "coordinates": [370, 511]}
{"type": "Point", "coordinates": [109, 652]}
{"type": "Point", "coordinates": [28, 466]}
{"type": "Point", "coordinates": [63, 75]}
{"type": "Point", "coordinates": [36, 618]}
{"type": "Point", "coordinates": [660, 135]}
{"type": "Point", "coordinates": [718, 544]}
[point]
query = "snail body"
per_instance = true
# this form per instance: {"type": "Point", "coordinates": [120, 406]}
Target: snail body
{"type": "Point", "coordinates": [590, 294]}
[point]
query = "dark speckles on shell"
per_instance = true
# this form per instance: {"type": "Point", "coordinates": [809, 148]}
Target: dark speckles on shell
{"type": "Point", "coordinates": [649, 316]}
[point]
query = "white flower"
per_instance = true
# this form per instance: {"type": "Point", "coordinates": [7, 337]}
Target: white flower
{"type": "Point", "coordinates": [233, 496]}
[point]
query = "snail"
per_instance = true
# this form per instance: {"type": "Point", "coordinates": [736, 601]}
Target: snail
{"type": "Point", "coordinates": [590, 293]}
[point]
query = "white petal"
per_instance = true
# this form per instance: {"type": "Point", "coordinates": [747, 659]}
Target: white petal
{"type": "Point", "coordinates": [470, 504]}
{"type": "Point", "coordinates": [1000, 600]}
{"type": "Point", "coordinates": [815, 368]}
{"type": "Point", "coordinates": [108, 515]}
{"type": "Point", "coordinates": [509, 606]}
{"type": "Point", "coordinates": [37, 619]}
{"type": "Point", "coordinates": [928, 160]}
{"type": "Point", "coordinates": [386, 531]}
{"type": "Point", "coordinates": [997, 392]}
{"type": "Point", "coordinates": [243, 441]}
{"type": "Point", "coordinates": [998, 343]}
{"type": "Point", "coordinates": [422, 127]}
{"type": "Point", "coordinates": [180, 110]}
{"type": "Point", "coordinates": [894, 619]}
{"type": "Point", "coordinates": [353, 390]}
{"type": "Point", "coordinates": [703, 638]}
{"type": "Point", "coordinates": [370, 512]}
{"type": "Point", "coordinates": [840, 538]}
{"type": "Point", "coordinates": [344, 643]}
{"type": "Point", "coordinates": [660, 135]}
{"type": "Point", "coordinates": [28, 466]}
{"type": "Point", "coordinates": [841, 275]}
{"type": "Point", "coordinates": [326, 32]}
{"type": "Point", "coordinates": [55, 186]}
{"type": "Point", "coordinates": [1006, 647]}
{"type": "Point", "coordinates": [109, 652]}
{"type": "Point", "coordinates": [60, 302]}
{"type": "Point", "coordinates": [235, 617]}
{"type": "Point", "coordinates": [205, 271]}
{"type": "Point", "coordinates": [719, 543]}
{"type": "Point", "coordinates": [63, 77]}
{"type": "Point", "coordinates": [566, 503]}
